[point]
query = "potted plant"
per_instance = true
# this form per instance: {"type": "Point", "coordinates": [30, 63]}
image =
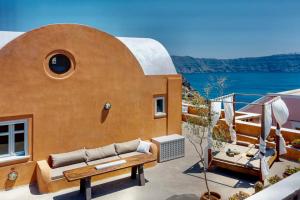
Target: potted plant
{"type": "Point", "coordinates": [274, 179]}
{"type": "Point", "coordinates": [239, 196]}
{"type": "Point", "coordinates": [258, 186]}
{"type": "Point", "coordinates": [289, 171]}
{"type": "Point", "coordinates": [296, 143]}
{"type": "Point", "coordinates": [198, 127]}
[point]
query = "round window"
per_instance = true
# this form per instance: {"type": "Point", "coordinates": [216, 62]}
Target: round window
{"type": "Point", "coordinates": [59, 64]}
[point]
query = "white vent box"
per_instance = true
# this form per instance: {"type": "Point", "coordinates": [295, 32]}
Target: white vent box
{"type": "Point", "coordinates": [169, 147]}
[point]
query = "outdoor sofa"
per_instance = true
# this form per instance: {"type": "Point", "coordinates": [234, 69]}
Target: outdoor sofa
{"type": "Point", "coordinates": [50, 176]}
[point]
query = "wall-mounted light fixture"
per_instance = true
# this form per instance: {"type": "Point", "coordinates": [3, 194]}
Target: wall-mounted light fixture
{"type": "Point", "coordinates": [13, 175]}
{"type": "Point", "coordinates": [107, 106]}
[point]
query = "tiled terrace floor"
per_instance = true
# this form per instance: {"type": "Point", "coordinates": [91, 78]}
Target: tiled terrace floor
{"type": "Point", "coordinates": [177, 179]}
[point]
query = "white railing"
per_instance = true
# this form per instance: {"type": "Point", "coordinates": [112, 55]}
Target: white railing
{"type": "Point", "coordinates": [286, 189]}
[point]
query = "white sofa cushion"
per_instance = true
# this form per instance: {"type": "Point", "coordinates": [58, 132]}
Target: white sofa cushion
{"type": "Point", "coordinates": [57, 173]}
{"type": "Point", "coordinates": [127, 155]}
{"type": "Point", "coordinates": [103, 160]}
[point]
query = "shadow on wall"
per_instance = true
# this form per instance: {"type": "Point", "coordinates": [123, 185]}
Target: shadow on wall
{"type": "Point", "coordinates": [184, 197]}
{"type": "Point", "coordinates": [104, 115]}
{"type": "Point", "coordinates": [9, 184]}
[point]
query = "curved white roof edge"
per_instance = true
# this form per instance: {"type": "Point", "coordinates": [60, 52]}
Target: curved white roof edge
{"type": "Point", "coordinates": [7, 36]}
{"type": "Point", "coordinates": [152, 55]}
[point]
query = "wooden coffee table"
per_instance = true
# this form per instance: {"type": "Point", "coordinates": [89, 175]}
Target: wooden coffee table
{"type": "Point", "coordinates": [84, 174]}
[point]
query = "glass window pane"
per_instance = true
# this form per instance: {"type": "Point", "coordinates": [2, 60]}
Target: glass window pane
{"type": "Point", "coordinates": [3, 144]}
{"type": "Point", "coordinates": [19, 142]}
{"type": "Point", "coordinates": [4, 129]}
{"type": "Point", "coordinates": [19, 127]}
{"type": "Point", "coordinates": [59, 64]}
{"type": "Point", "coordinates": [159, 105]}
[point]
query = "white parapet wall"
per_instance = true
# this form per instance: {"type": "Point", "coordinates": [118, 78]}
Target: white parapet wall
{"type": "Point", "coordinates": [287, 189]}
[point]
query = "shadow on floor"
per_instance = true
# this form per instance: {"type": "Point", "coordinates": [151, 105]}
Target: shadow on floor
{"type": "Point", "coordinates": [102, 189]}
{"type": "Point", "coordinates": [242, 180]}
{"type": "Point", "coordinates": [184, 197]}
{"type": "Point", "coordinates": [33, 188]}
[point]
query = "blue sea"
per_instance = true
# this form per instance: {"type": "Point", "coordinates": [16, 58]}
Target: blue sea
{"type": "Point", "coordinates": [259, 83]}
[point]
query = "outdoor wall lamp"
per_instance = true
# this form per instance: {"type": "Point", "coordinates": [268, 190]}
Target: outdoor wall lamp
{"type": "Point", "coordinates": [13, 175]}
{"type": "Point", "coordinates": [107, 106]}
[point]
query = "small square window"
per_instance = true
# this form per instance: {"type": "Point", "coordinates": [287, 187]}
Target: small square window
{"type": "Point", "coordinates": [13, 138]}
{"type": "Point", "coordinates": [160, 110]}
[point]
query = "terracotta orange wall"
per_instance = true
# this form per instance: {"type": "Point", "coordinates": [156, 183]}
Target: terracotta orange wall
{"type": "Point", "coordinates": [255, 130]}
{"type": "Point", "coordinates": [68, 114]}
{"type": "Point", "coordinates": [174, 105]}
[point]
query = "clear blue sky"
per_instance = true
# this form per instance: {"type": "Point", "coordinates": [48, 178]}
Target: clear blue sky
{"type": "Point", "coordinates": [210, 28]}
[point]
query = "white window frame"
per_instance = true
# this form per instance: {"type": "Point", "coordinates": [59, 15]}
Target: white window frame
{"type": "Point", "coordinates": [160, 114]}
{"type": "Point", "coordinates": [11, 138]}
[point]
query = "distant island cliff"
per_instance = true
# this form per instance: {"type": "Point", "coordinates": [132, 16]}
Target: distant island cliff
{"type": "Point", "coordinates": [274, 63]}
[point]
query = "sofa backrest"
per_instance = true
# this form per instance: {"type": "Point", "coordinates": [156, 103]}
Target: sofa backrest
{"type": "Point", "coordinates": [126, 147]}
{"type": "Point", "coordinates": [101, 152]}
{"type": "Point", "coordinates": [87, 155]}
{"type": "Point", "coordinates": [64, 159]}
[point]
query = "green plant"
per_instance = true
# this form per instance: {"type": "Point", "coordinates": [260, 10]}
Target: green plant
{"type": "Point", "coordinates": [274, 179]}
{"type": "Point", "coordinates": [289, 170]}
{"type": "Point", "coordinates": [239, 196]}
{"type": "Point", "coordinates": [258, 186]}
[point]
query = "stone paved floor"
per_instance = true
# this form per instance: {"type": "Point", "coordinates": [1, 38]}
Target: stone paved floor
{"type": "Point", "coordinates": [177, 179]}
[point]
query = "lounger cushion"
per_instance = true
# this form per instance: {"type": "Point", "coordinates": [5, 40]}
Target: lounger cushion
{"type": "Point", "coordinates": [101, 152]}
{"type": "Point", "coordinates": [103, 160]}
{"type": "Point", "coordinates": [57, 173]}
{"type": "Point", "coordinates": [242, 159]}
{"type": "Point", "coordinates": [126, 155]}
{"type": "Point", "coordinates": [127, 147]}
{"type": "Point", "coordinates": [69, 158]}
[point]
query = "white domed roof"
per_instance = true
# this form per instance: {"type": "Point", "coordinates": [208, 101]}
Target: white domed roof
{"type": "Point", "coordinates": [152, 56]}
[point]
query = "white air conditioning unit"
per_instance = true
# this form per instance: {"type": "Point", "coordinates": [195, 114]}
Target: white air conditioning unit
{"type": "Point", "coordinates": [169, 147]}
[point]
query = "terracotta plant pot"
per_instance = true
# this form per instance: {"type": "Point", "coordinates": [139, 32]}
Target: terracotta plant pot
{"type": "Point", "coordinates": [213, 196]}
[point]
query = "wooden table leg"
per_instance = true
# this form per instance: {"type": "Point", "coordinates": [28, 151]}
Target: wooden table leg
{"type": "Point", "coordinates": [141, 175]}
{"type": "Point", "coordinates": [85, 188]}
{"type": "Point", "coordinates": [133, 172]}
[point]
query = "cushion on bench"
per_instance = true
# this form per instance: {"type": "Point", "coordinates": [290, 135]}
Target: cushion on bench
{"type": "Point", "coordinates": [126, 147]}
{"type": "Point", "coordinates": [57, 173]}
{"type": "Point", "coordinates": [69, 158]}
{"type": "Point", "coordinates": [126, 155]}
{"type": "Point", "coordinates": [144, 147]}
{"type": "Point", "coordinates": [103, 160]}
{"type": "Point", "coordinates": [101, 152]}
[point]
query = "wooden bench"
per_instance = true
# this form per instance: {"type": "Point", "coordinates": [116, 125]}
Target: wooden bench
{"type": "Point", "coordinates": [84, 174]}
